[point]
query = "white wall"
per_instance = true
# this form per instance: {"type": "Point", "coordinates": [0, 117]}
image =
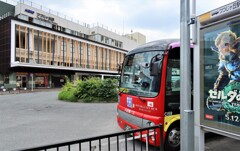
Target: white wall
{"type": "Point", "coordinates": [20, 9]}
{"type": "Point", "coordinates": [127, 43]}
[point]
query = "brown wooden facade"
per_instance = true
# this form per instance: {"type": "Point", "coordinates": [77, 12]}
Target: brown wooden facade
{"type": "Point", "coordinates": [39, 47]}
{"type": "Point", "coordinates": [38, 56]}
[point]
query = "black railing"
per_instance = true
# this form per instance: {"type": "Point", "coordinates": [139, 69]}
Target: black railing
{"type": "Point", "coordinates": [127, 141]}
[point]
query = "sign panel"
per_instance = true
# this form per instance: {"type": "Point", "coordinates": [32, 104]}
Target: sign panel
{"type": "Point", "coordinates": [220, 47]}
{"type": "Point", "coordinates": [226, 9]}
{"type": "Point", "coordinates": [129, 102]}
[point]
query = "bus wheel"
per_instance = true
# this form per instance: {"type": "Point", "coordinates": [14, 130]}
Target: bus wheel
{"type": "Point", "coordinates": [172, 141]}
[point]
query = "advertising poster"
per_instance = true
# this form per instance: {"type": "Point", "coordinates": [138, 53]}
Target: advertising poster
{"type": "Point", "coordinates": [220, 44]}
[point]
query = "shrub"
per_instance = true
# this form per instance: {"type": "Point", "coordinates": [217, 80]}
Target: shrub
{"type": "Point", "coordinates": [68, 92]}
{"type": "Point", "coordinates": [91, 90]}
{"type": "Point", "coordinates": [96, 90]}
{"type": "Point", "coordinates": [108, 91]}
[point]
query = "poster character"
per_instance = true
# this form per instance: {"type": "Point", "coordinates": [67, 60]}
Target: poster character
{"type": "Point", "coordinates": [228, 45]}
{"type": "Point", "coordinates": [229, 62]}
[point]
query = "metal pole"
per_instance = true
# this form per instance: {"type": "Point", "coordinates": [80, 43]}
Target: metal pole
{"type": "Point", "coordinates": [32, 82]}
{"type": "Point", "coordinates": [193, 15]}
{"type": "Point", "coordinates": [199, 143]}
{"type": "Point", "coordinates": [199, 132]}
{"type": "Point", "coordinates": [187, 136]}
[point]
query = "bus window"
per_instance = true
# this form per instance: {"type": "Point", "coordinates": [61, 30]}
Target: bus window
{"type": "Point", "coordinates": [136, 74]}
{"type": "Point", "coordinates": [172, 103]}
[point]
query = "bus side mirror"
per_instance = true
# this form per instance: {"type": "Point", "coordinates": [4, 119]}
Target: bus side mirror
{"type": "Point", "coordinates": [154, 70]}
{"type": "Point", "coordinates": [155, 65]}
{"type": "Point", "coordinates": [119, 69]}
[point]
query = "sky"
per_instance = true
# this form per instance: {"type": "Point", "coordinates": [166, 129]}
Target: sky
{"type": "Point", "coordinates": [156, 19]}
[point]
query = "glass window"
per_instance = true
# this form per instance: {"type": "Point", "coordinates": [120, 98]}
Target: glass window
{"type": "Point", "coordinates": [72, 47]}
{"type": "Point", "coordinates": [173, 76]}
{"type": "Point", "coordinates": [6, 79]}
{"type": "Point", "coordinates": [172, 99]}
{"type": "Point", "coordinates": [116, 43]}
{"type": "Point", "coordinates": [106, 40]}
{"type": "Point", "coordinates": [120, 44]}
{"type": "Point", "coordinates": [136, 76]}
{"type": "Point", "coordinates": [102, 38]}
{"type": "Point", "coordinates": [89, 50]}
{"type": "Point", "coordinates": [63, 47]}
{"type": "Point", "coordinates": [97, 37]}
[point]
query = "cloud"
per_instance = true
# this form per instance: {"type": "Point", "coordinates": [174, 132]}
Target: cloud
{"type": "Point", "coordinates": [156, 19]}
{"type": "Point", "coordinates": [152, 35]}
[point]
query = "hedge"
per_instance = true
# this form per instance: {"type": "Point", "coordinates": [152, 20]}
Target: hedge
{"type": "Point", "coordinates": [90, 90]}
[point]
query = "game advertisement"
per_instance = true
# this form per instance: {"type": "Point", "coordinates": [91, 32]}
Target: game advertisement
{"type": "Point", "coordinates": [221, 51]}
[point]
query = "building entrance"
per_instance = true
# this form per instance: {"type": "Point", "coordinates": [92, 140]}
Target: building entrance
{"type": "Point", "coordinates": [58, 81]}
{"type": "Point", "coordinates": [22, 81]}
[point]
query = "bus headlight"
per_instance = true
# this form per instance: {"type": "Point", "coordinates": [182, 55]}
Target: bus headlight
{"type": "Point", "coordinates": [150, 124]}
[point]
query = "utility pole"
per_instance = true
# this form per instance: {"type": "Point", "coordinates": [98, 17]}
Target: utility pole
{"type": "Point", "coordinates": [187, 115]}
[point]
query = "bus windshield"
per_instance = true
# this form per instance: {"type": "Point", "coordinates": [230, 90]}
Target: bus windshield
{"type": "Point", "coordinates": [136, 78]}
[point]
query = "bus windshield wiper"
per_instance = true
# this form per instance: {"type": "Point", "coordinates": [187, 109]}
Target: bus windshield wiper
{"type": "Point", "coordinates": [141, 99]}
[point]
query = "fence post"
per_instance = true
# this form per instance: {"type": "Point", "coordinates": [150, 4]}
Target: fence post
{"type": "Point", "coordinates": [161, 138]}
{"type": "Point", "coordinates": [147, 141]}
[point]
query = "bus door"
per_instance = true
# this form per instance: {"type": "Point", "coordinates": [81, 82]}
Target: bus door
{"type": "Point", "coordinates": [172, 101]}
{"type": "Point", "coordinates": [172, 95]}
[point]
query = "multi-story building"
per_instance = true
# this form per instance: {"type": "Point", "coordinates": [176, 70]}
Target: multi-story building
{"type": "Point", "coordinates": [137, 37]}
{"type": "Point", "coordinates": [39, 47]}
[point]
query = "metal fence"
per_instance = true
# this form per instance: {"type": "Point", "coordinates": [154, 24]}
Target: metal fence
{"type": "Point", "coordinates": [123, 141]}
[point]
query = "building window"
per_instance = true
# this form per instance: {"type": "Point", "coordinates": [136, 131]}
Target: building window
{"type": "Point", "coordinates": [72, 52]}
{"type": "Point", "coordinates": [6, 79]}
{"type": "Point", "coordinates": [102, 39]}
{"type": "Point", "coordinates": [96, 56]}
{"type": "Point", "coordinates": [106, 40]}
{"type": "Point", "coordinates": [80, 54]}
{"type": "Point", "coordinates": [88, 55]}
{"type": "Point", "coordinates": [116, 43]}
{"type": "Point", "coordinates": [120, 45]}
{"type": "Point", "coordinates": [98, 37]}
{"type": "Point", "coordinates": [20, 43]}
{"type": "Point", "coordinates": [63, 48]}
{"type": "Point", "coordinates": [72, 47]}
{"type": "Point", "coordinates": [30, 19]}
{"type": "Point", "coordinates": [113, 41]}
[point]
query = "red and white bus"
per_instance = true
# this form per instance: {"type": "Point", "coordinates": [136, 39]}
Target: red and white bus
{"type": "Point", "coordinates": [149, 92]}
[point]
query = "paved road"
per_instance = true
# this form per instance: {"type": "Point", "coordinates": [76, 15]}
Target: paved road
{"type": "Point", "coordinates": [35, 119]}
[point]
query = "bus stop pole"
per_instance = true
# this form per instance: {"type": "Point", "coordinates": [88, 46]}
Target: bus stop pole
{"type": "Point", "coordinates": [198, 131]}
{"type": "Point", "coordinates": [199, 137]}
{"type": "Point", "coordinates": [187, 115]}
{"type": "Point", "coordinates": [32, 84]}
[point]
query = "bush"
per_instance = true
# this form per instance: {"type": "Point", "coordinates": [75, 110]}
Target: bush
{"type": "Point", "coordinates": [96, 90]}
{"type": "Point", "coordinates": [91, 90]}
{"type": "Point", "coordinates": [68, 92]}
{"type": "Point", "coordinates": [108, 91]}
